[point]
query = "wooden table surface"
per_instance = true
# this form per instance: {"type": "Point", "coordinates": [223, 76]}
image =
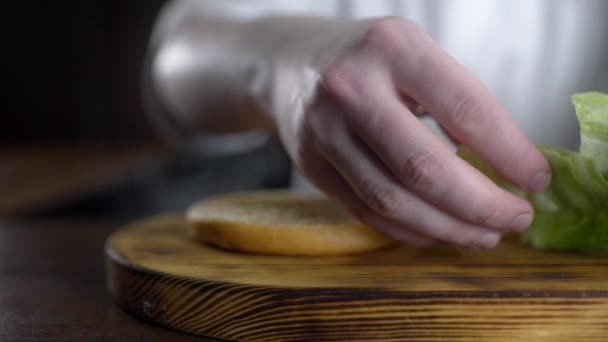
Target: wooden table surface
{"type": "Point", "coordinates": [52, 282]}
{"type": "Point", "coordinates": [35, 177]}
{"type": "Point", "coordinates": [52, 286]}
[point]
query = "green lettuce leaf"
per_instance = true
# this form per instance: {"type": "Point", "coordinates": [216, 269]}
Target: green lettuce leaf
{"type": "Point", "coordinates": [572, 213]}
{"type": "Point", "coordinates": [592, 113]}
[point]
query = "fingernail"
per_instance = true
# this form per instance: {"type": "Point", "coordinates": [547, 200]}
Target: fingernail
{"type": "Point", "coordinates": [521, 222]}
{"type": "Point", "coordinates": [489, 240]}
{"type": "Point", "coordinates": [540, 181]}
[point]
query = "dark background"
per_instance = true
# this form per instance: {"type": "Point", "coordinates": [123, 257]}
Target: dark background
{"type": "Point", "coordinates": [78, 160]}
{"type": "Point", "coordinates": [71, 77]}
{"type": "Point", "coordinates": [72, 70]}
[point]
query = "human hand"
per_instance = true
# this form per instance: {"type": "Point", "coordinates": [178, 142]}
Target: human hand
{"type": "Point", "coordinates": [359, 141]}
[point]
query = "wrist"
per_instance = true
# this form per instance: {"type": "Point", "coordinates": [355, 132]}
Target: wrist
{"type": "Point", "coordinates": [285, 57]}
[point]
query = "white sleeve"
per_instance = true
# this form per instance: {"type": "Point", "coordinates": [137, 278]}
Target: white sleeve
{"type": "Point", "coordinates": [168, 22]}
{"type": "Point", "coordinates": [246, 9]}
{"type": "Point", "coordinates": [173, 14]}
{"type": "Point", "coordinates": [222, 8]}
{"type": "Point", "coordinates": [181, 12]}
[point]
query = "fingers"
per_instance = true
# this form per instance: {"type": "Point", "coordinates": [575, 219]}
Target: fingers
{"type": "Point", "coordinates": [414, 107]}
{"type": "Point", "coordinates": [326, 178]}
{"type": "Point", "coordinates": [387, 205]}
{"type": "Point", "coordinates": [421, 162]}
{"type": "Point", "coordinates": [391, 208]}
{"type": "Point", "coordinates": [469, 112]}
{"type": "Point", "coordinates": [403, 177]}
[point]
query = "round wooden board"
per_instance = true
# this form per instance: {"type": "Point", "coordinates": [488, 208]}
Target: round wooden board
{"type": "Point", "coordinates": [155, 271]}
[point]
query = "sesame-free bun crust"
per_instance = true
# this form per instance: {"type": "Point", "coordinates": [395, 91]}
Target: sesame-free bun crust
{"type": "Point", "coordinates": [281, 223]}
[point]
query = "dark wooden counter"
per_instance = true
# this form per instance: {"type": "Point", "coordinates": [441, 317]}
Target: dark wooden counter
{"type": "Point", "coordinates": [35, 177]}
{"type": "Point", "coordinates": [52, 286]}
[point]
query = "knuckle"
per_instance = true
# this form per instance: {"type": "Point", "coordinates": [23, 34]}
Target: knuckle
{"type": "Point", "coordinates": [486, 213]}
{"type": "Point", "coordinates": [383, 34]}
{"type": "Point", "coordinates": [421, 171]}
{"type": "Point", "coordinates": [384, 201]}
{"type": "Point", "coordinates": [383, 29]}
{"type": "Point", "coordinates": [338, 78]}
{"type": "Point", "coordinates": [386, 35]}
{"type": "Point", "coordinates": [468, 115]}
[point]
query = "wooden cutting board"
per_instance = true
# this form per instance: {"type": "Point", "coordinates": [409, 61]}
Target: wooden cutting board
{"type": "Point", "coordinates": [513, 293]}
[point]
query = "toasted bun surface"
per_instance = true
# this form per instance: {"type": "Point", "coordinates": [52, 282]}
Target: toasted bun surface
{"type": "Point", "coordinates": [281, 223]}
